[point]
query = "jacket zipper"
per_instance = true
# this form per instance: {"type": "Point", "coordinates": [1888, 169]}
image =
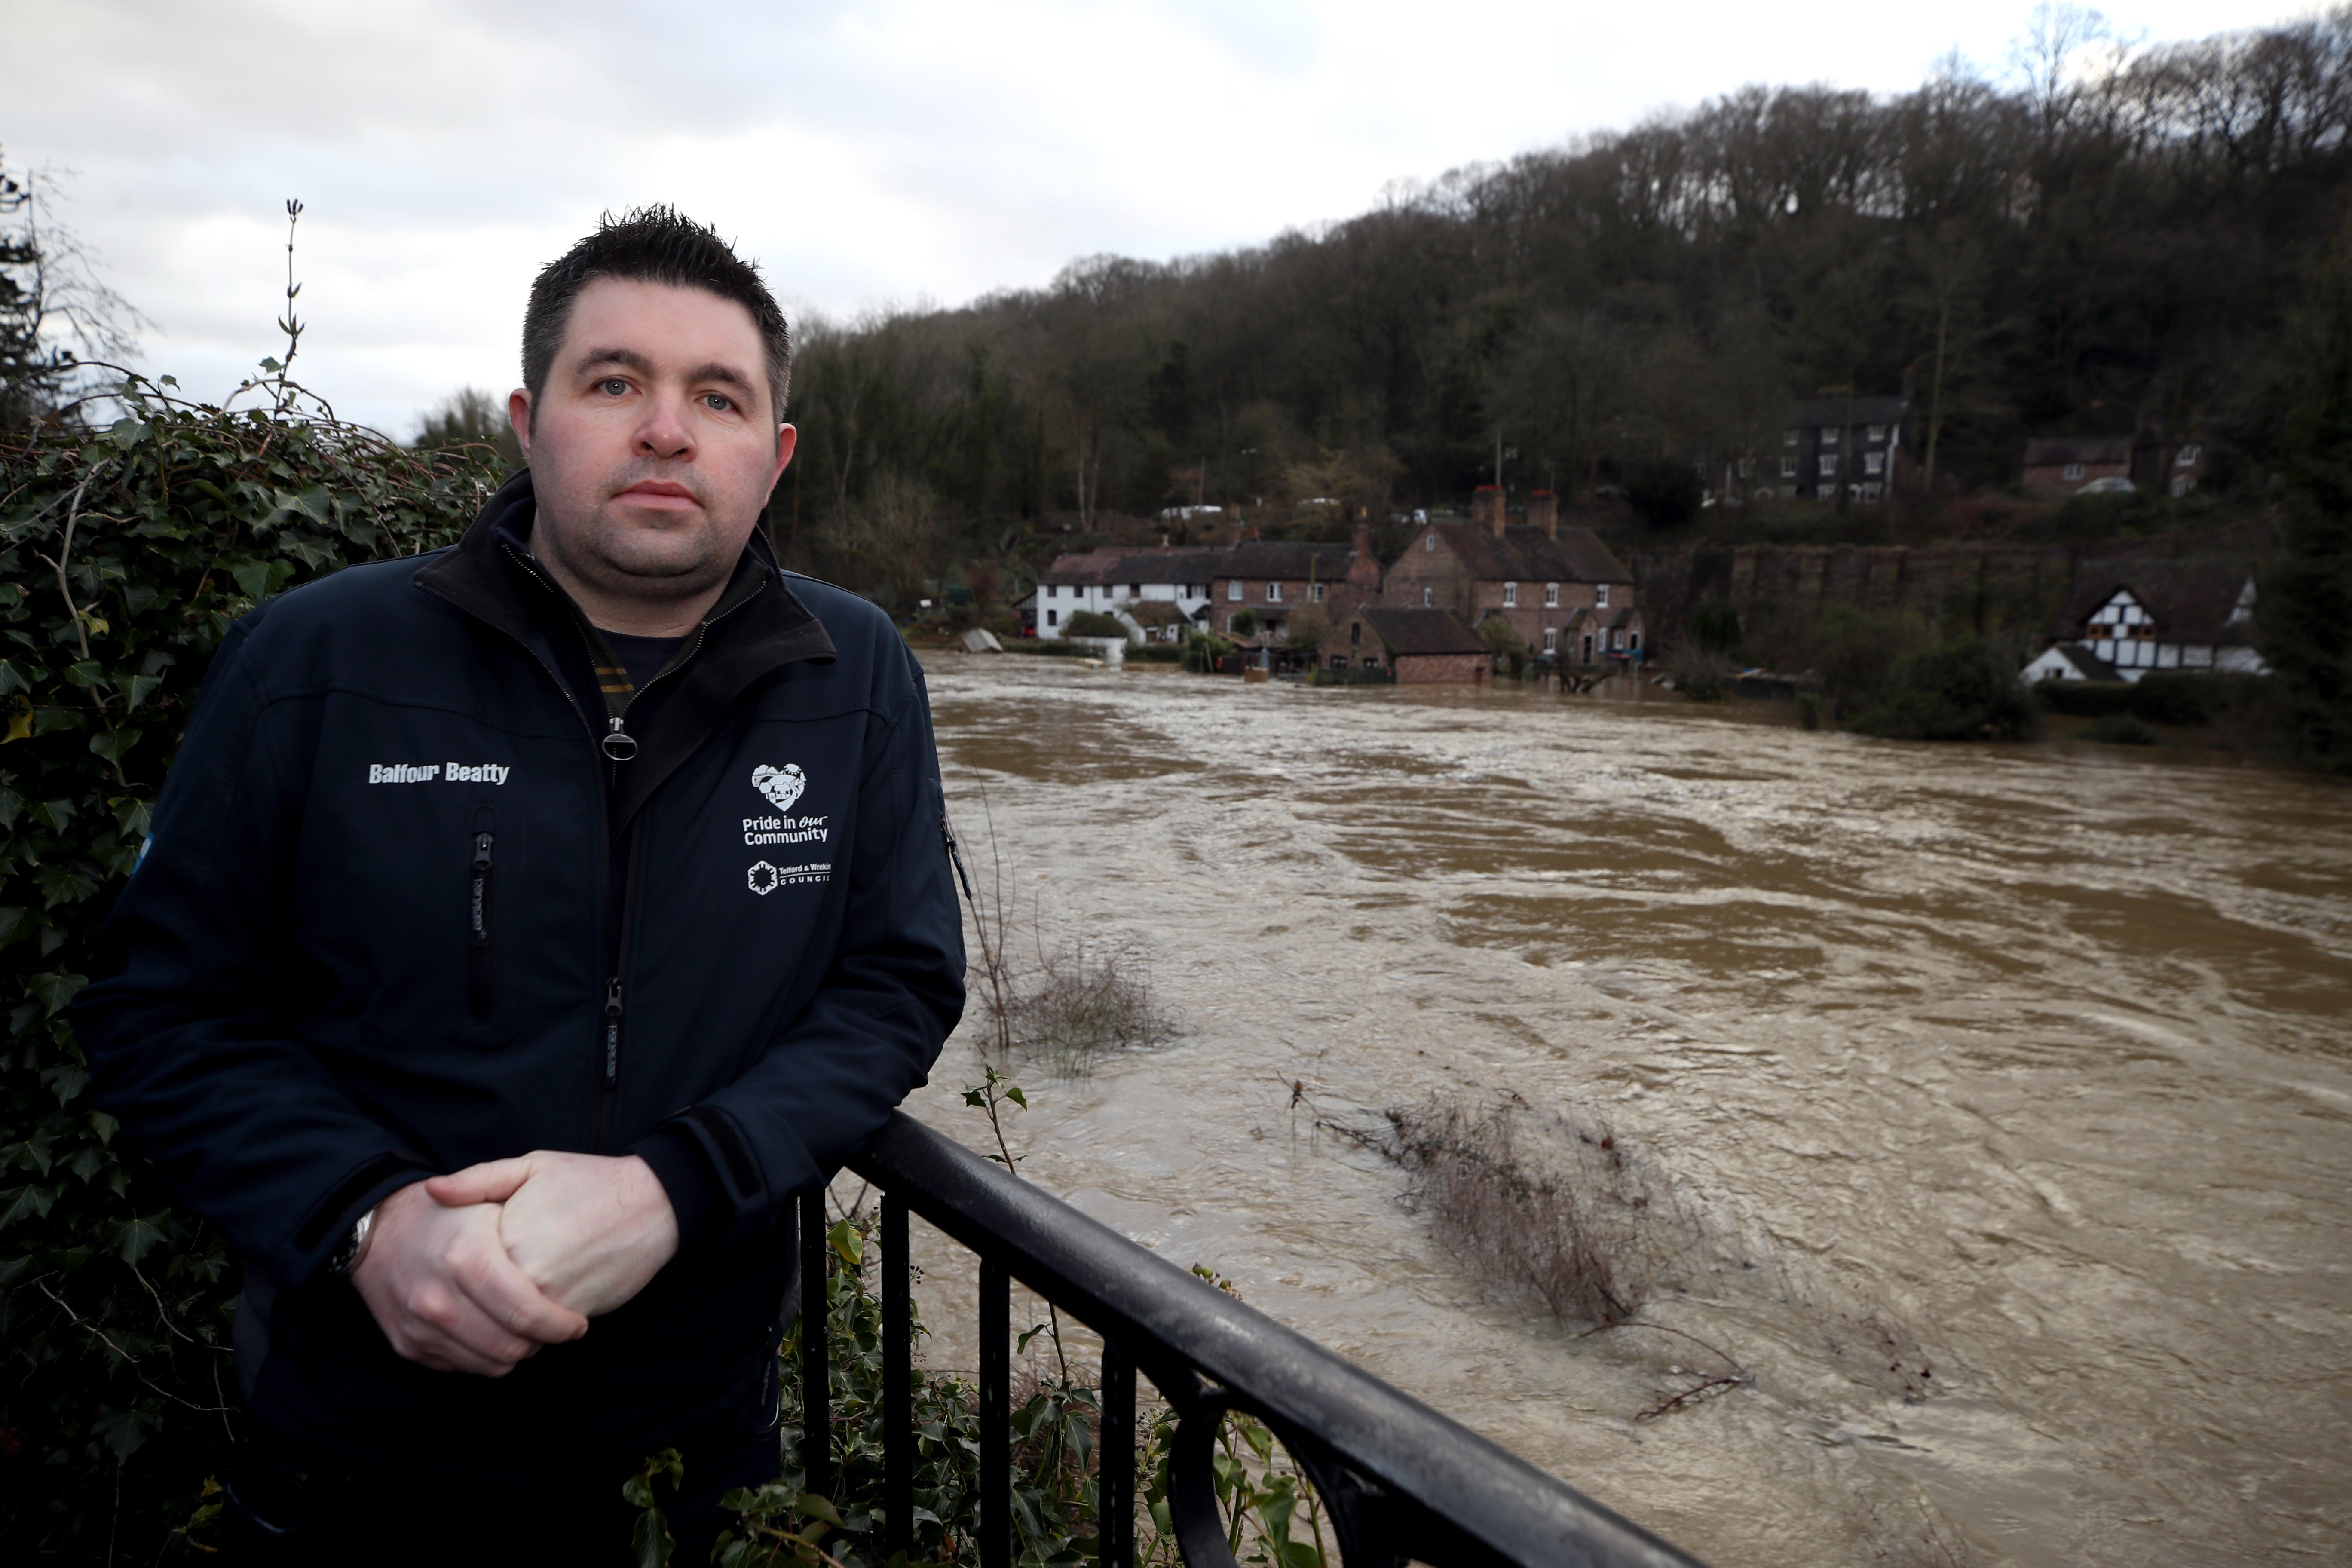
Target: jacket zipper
{"type": "Point", "coordinates": [617, 746]}
{"type": "Point", "coordinates": [478, 915]}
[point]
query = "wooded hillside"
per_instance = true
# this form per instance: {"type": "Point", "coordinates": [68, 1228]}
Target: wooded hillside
{"type": "Point", "coordinates": [2121, 253]}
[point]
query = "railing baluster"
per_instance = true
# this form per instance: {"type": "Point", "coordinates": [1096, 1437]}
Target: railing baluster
{"type": "Point", "coordinates": [898, 1392]}
{"type": "Point", "coordinates": [816, 1377]}
{"type": "Point", "coordinates": [995, 1415]}
{"type": "Point", "coordinates": [1114, 1479]}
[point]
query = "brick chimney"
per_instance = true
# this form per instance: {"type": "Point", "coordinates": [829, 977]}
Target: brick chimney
{"type": "Point", "coordinates": [1363, 567]}
{"type": "Point", "coordinates": [1486, 507]}
{"type": "Point", "coordinates": [1543, 511]}
{"type": "Point", "coordinates": [1234, 530]}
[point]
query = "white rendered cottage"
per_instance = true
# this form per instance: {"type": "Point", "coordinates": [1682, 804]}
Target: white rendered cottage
{"type": "Point", "coordinates": [1103, 581]}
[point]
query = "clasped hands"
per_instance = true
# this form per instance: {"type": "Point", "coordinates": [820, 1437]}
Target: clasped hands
{"type": "Point", "coordinates": [476, 1270]}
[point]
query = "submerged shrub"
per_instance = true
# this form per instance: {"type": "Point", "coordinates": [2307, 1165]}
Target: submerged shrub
{"type": "Point", "coordinates": [1964, 691]}
{"type": "Point", "coordinates": [1557, 1210]}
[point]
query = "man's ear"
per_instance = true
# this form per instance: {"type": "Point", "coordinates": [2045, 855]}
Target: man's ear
{"type": "Point", "coordinates": [786, 440]}
{"type": "Point", "coordinates": [519, 417]}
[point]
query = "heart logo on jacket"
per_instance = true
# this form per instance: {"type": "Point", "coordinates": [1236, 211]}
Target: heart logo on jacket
{"type": "Point", "coordinates": [781, 786]}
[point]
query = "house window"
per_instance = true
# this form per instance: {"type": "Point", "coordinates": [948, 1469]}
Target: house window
{"type": "Point", "coordinates": [1601, 596]}
{"type": "Point", "coordinates": [1052, 617]}
{"type": "Point", "coordinates": [1633, 642]}
{"type": "Point", "coordinates": [1355, 634]}
{"type": "Point", "coordinates": [1339, 661]}
{"type": "Point", "coordinates": [1274, 593]}
{"type": "Point", "coordinates": [2185, 458]}
{"type": "Point", "coordinates": [1551, 596]}
{"type": "Point", "coordinates": [1315, 592]}
{"type": "Point", "coordinates": [1551, 639]}
{"type": "Point", "coordinates": [1510, 595]}
{"type": "Point", "coordinates": [1828, 468]}
{"type": "Point", "coordinates": [1372, 663]}
{"type": "Point", "coordinates": [1788, 467]}
{"type": "Point", "coordinates": [1873, 462]}
{"type": "Point", "coordinates": [1788, 437]}
{"type": "Point", "coordinates": [1878, 435]}
{"type": "Point", "coordinates": [1135, 590]}
{"type": "Point", "coordinates": [1428, 597]}
{"type": "Point", "coordinates": [1828, 435]}
{"type": "Point", "coordinates": [1054, 591]}
{"type": "Point", "coordinates": [1234, 591]}
{"type": "Point", "coordinates": [1745, 468]}
{"type": "Point", "coordinates": [2073, 470]}
{"type": "Point", "coordinates": [1429, 541]}
{"type": "Point", "coordinates": [1617, 640]}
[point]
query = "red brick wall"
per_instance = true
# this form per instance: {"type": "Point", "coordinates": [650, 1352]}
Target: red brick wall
{"type": "Point", "coordinates": [1442, 669]}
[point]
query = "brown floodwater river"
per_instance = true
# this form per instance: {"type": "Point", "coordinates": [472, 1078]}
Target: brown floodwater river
{"type": "Point", "coordinates": [2001, 1095]}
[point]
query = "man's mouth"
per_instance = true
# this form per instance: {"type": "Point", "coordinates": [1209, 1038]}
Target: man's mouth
{"type": "Point", "coordinates": [661, 495]}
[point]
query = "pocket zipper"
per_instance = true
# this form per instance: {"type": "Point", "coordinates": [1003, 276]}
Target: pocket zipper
{"type": "Point", "coordinates": [477, 918]}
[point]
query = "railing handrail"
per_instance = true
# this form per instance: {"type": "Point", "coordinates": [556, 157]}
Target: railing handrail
{"type": "Point", "coordinates": [1176, 1325]}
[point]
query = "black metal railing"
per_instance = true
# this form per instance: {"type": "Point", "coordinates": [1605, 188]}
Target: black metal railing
{"type": "Point", "coordinates": [1399, 1481]}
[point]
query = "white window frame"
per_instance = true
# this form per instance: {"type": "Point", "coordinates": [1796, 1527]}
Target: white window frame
{"type": "Point", "coordinates": [1428, 596]}
{"type": "Point", "coordinates": [2073, 470]}
{"type": "Point", "coordinates": [1601, 596]}
{"type": "Point", "coordinates": [1792, 438]}
{"type": "Point", "coordinates": [1429, 541]}
{"type": "Point", "coordinates": [1551, 596]}
{"type": "Point", "coordinates": [1234, 590]}
{"type": "Point", "coordinates": [1510, 595]}
{"type": "Point", "coordinates": [1829, 435]}
{"type": "Point", "coordinates": [1873, 462]}
{"type": "Point", "coordinates": [1274, 593]}
{"type": "Point", "coordinates": [1551, 639]}
{"type": "Point", "coordinates": [2185, 458]}
{"type": "Point", "coordinates": [1878, 435]}
{"type": "Point", "coordinates": [1788, 467]}
{"type": "Point", "coordinates": [1315, 592]}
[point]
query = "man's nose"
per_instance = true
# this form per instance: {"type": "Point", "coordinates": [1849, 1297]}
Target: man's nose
{"type": "Point", "coordinates": [666, 432]}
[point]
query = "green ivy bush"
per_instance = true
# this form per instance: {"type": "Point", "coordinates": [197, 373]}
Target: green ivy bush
{"type": "Point", "coordinates": [126, 551]}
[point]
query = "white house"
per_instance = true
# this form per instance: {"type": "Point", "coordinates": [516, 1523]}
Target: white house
{"type": "Point", "coordinates": [1103, 581]}
{"type": "Point", "coordinates": [2163, 618]}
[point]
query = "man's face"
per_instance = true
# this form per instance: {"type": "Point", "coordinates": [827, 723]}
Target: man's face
{"type": "Point", "coordinates": [652, 446]}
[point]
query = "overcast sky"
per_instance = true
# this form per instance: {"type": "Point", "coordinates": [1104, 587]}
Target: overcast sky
{"type": "Point", "coordinates": [898, 152]}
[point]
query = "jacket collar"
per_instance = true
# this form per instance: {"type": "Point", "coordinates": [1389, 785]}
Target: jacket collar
{"type": "Point", "coordinates": [756, 616]}
{"type": "Point", "coordinates": [758, 625]}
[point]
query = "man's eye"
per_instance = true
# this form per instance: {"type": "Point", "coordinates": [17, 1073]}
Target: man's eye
{"type": "Point", "coordinates": [719, 401]}
{"type": "Point", "coordinates": [613, 386]}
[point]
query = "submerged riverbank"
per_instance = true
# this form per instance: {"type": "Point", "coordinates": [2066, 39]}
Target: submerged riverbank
{"type": "Point", "coordinates": [2028, 1062]}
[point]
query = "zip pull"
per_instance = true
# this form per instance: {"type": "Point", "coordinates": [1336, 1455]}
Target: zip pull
{"type": "Point", "coordinates": [482, 845]}
{"type": "Point", "coordinates": [957, 856]}
{"type": "Point", "coordinates": [611, 1031]}
{"type": "Point", "coordinates": [619, 744]}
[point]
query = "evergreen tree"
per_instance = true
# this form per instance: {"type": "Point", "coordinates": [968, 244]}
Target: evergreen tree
{"type": "Point", "coordinates": [2306, 602]}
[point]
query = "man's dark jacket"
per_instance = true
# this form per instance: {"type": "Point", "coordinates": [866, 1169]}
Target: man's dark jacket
{"type": "Point", "coordinates": [400, 913]}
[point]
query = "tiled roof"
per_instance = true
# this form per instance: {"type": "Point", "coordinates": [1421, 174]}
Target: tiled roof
{"type": "Point", "coordinates": [2193, 603]}
{"type": "Point", "coordinates": [1285, 559]}
{"type": "Point", "coordinates": [1528, 554]}
{"type": "Point", "coordinates": [2078, 449]}
{"type": "Point", "coordinates": [1155, 613]}
{"type": "Point", "coordinates": [1424, 631]}
{"type": "Point", "coordinates": [1160, 564]}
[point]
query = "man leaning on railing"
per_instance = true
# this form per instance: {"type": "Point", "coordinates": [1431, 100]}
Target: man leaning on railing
{"type": "Point", "coordinates": [520, 928]}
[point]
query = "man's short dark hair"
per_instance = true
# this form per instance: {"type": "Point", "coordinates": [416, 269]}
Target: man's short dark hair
{"type": "Point", "coordinates": [651, 244]}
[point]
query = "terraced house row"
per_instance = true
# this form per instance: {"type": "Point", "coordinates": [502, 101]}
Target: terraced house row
{"type": "Point", "coordinates": [1483, 586]}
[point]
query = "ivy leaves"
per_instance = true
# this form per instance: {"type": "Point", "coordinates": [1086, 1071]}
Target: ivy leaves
{"type": "Point", "coordinates": [126, 553]}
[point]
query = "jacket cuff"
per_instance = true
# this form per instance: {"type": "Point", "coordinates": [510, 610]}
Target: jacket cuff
{"type": "Point", "coordinates": [696, 1195]}
{"type": "Point", "coordinates": [720, 1195]}
{"type": "Point", "coordinates": [330, 1219]}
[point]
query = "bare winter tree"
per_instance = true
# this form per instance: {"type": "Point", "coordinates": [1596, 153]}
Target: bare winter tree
{"type": "Point", "coordinates": [56, 314]}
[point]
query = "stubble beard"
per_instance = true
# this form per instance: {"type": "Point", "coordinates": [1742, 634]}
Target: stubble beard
{"type": "Point", "coordinates": [596, 543]}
